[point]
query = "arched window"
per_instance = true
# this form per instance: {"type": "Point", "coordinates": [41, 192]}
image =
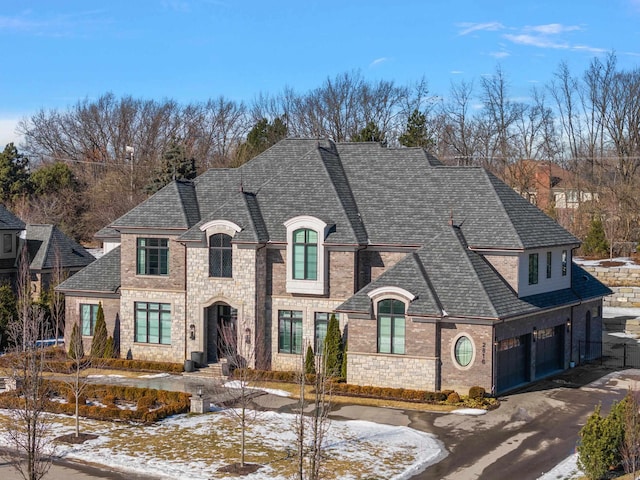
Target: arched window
{"type": "Point", "coordinates": [305, 254]}
{"type": "Point", "coordinates": [391, 326]}
{"type": "Point", "coordinates": [220, 258]}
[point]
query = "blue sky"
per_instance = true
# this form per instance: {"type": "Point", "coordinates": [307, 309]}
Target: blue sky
{"type": "Point", "coordinates": [56, 52]}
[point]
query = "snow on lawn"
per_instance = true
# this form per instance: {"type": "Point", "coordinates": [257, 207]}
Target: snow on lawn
{"type": "Point", "coordinates": [626, 262]}
{"type": "Point", "coordinates": [195, 446]}
{"type": "Point", "coordinates": [565, 470]}
{"type": "Point", "coordinates": [469, 411]}
{"type": "Point", "coordinates": [273, 391]}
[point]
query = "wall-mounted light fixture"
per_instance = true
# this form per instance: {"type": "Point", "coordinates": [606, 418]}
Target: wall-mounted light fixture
{"type": "Point", "coordinates": [247, 336]}
{"type": "Point", "coordinates": [192, 331]}
{"type": "Point", "coordinates": [568, 325]}
{"type": "Point", "coordinates": [535, 333]}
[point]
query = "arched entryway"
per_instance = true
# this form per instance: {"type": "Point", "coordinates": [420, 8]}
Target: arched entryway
{"type": "Point", "coordinates": [221, 331]}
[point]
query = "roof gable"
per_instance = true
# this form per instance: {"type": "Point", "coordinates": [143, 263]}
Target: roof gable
{"type": "Point", "coordinates": [47, 245]}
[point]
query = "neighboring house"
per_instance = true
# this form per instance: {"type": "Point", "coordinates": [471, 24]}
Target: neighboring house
{"type": "Point", "coordinates": [442, 277]}
{"type": "Point", "coordinates": [547, 185]}
{"type": "Point", "coordinates": [47, 249]}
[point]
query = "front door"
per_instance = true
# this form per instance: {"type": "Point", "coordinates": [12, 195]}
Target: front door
{"type": "Point", "coordinates": [222, 322]}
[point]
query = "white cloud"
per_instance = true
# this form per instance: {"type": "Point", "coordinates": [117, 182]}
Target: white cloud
{"type": "Point", "coordinates": [456, 72]}
{"type": "Point", "coordinates": [540, 41]}
{"type": "Point", "coordinates": [500, 54]}
{"type": "Point", "coordinates": [552, 28]}
{"type": "Point", "coordinates": [378, 61]}
{"type": "Point", "coordinates": [468, 27]}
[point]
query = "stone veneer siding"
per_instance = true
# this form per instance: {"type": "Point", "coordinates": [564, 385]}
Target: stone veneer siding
{"type": "Point", "coordinates": [623, 281]}
{"type": "Point", "coordinates": [308, 306]}
{"type": "Point", "coordinates": [110, 306]}
{"type": "Point", "coordinates": [175, 352]}
{"type": "Point", "coordinates": [175, 280]}
{"type": "Point", "coordinates": [393, 371]}
{"type": "Point", "coordinates": [239, 291]}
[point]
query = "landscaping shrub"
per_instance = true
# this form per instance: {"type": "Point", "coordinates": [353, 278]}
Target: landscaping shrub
{"type": "Point", "coordinates": [476, 392]}
{"type": "Point", "coordinates": [453, 398]}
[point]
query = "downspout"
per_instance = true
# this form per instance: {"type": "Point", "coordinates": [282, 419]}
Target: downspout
{"type": "Point", "coordinates": [186, 328]}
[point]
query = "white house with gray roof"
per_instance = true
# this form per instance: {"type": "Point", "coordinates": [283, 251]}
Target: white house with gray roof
{"type": "Point", "coordinates": [442, 277]}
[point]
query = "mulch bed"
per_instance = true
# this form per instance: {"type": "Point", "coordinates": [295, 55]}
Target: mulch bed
{"type": "Point", "coordinates": [236, 469]}
{"type": "Point", "coordinates": [72, 439]}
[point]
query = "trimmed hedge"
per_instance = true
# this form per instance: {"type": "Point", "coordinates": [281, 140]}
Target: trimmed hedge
{"type": "Point", "coordinates": [168, 403]}
{"type": "Point", "coordinates": [339, 387]}
{"type": "Point", "coordinates": [68, 366]}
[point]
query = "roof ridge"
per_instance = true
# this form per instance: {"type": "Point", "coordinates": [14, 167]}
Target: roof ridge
{"type": "Point", "coordinates": [489, 177]}
{"type": "Point", "coordinates": [343, 201]}
{"type": "Point", "coordinates": [427, 279]}
{"type": "Point", "coordinates": [457, 232]}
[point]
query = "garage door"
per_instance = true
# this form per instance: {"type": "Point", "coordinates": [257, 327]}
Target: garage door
{"type": "Point", "coordinates": [549, 350]}
{"type": "Point", "coordinates": [513, 362]}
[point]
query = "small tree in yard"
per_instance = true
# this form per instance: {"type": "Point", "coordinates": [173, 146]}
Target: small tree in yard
{"type": "Point", "coordinates": [29, 428]}
{"type": "Point", "coordinates": [309, 362]}
{"type": "Point", "coordinates": [333, 348]}
{"type": "Point", "coordinates": [595, 243]}
{"type": "Point", "coordinates": [99, 341]}
{"type": "Point", "coordinates": [311, 429]}
{"type": "Point", "coordinates": [76, 348]}
{"type": "Point", "coordinates": [630, 450]}
{"type": "Point", "coordinates": [601, 440]}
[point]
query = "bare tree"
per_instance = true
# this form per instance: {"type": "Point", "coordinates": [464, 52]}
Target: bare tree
{"type": "Point", "coordinates": [311, 428]}
{"type": "Point", "coordinates": [29, 427]}
{"type": "Point", "coordinates": [630, 449]}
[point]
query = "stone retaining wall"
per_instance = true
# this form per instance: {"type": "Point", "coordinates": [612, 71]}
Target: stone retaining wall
{"type": "Point", "coordinates": [624, 281]}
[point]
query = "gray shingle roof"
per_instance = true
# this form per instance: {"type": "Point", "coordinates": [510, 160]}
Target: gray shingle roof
{"type": "Point", "coordinates": [8, 221]}
{"type": "Point", "coordinates": [46, 242]}
{"type": "Point", "coordinates": [372, 194]}
{"type": "Point", "coordinates": [102, 276]}
{"type": "Point", "coordinates": [444, 267]}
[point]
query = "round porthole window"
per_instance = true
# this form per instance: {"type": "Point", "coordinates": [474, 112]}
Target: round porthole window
{"type": "Point", "coordinates": [463, 351]}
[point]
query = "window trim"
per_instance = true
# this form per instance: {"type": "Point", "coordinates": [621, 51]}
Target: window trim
{"type": "Point", "coordinates": [291, 318]}
{"type": "Point", "coordinates": [565, 258]}
{"type": "Point", "coordinates": [319, 347]}
{"type": "Point", "coordinates": [534, 273]}
{"type": "Point", "coordinates": [148, 249]}
{"type": "Point", "coordinates": [93, 316]}
{"type": "Point", "coordinates": [549, 263]}
{"type": "Point", "coordinates": [160, 310]}
{"type": "Point", "coordinates": [392, 325]}
{"type": "Point", "coordinates": [317, 286]}
{"type": "Point", "coordinates": [220, 253]}
{"type": "Point", "coordinates": [454, 342]}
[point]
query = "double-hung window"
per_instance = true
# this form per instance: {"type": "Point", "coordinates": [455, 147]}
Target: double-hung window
{"type": "Point", "coordinates": [321, 322]}
{"type": "Point", "coordinates": [533, 268]}
{"type": "Point", "coordinates": [153, 256]}
{"type": "Point", "coordinates": [564, 263]}
{"type": "Point", "coordinates": [88, 316]}
{"type": "Point", "coordinates": [549, 256]}
{"type": "Point", "coordinates": [153, 323]}
{"type": "Point", "coordinates": [305, 254]}
{"type": "Point", "coordinates": [290, 331]}
{"type": "Point", "coordinates": [391, 326]}
{"type": "Point", "coordinates": [220, 258]}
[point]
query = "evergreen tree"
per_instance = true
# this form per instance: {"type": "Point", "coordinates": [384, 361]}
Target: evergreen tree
{"type": "Point", "coordinates": [109, 349]}
{"type": "Point", "coordinates": [416, 134]}
{"type": "Point", "coordinates": [370, 133]}
{"type": "Point", "coordinates": [343, 371]}
{"type": "Point", "coordinates": [175, 166]}
{"type": "Point", "coordinates": [8, 312]}
{"type": "Point", "coordinates": [14, 173]}
{"type": "Point", "coordinates": [263, 135]}
{"type": "Point", "coordinates": [595, 242]}
{"type": "Point", "coordinates": [601, 439]}
{"type": "Point", "coordinates": [99, 343]}
{"type": "Point", "coordinates": [76, 348]}
{"type": "Point", "coordinates": [310, 362]}
{"type": "Point", "coordinates": [333, 348]}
